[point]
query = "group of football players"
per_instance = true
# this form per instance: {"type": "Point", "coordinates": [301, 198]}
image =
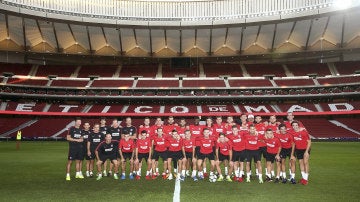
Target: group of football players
{"type": "Point", "coordinates": [185, 149]}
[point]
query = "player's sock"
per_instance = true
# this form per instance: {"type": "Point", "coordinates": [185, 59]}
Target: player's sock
{"type": "Point", "coordinates": [306, 176]}
{"type": "Point", "coordinates": [200, 173]}
{"type": "Point", "coordinates": [289, 171]}
{"type": "Point", "coordinates": [260, 176]}
{"type": "Point", "coordinates": [175, 170]}
{"type": "Point", "coordinates": [292, 175]}
{"type": "Point", "coordinates": [236, 173]}
{"type": "Point", "coordinates": [139, 170]}
{"type": "Point", "coordinates": [211, 173]}
{"type": "Point", "coordinates": [193, 174]}
{"type": "Point", "coordinates": [284, 175]}
{"type": "Point", "coordinates": [257, 171]}
{"type": "Point", "coordinates": [241, 173]}
{"type": "Point", "coordinates": [187, 172]}
{"type": "Point", "coordinates": [150, 170]}
{"type": "Point", "coordinates": [67, 174]}
{"type": "Point", "coordinates": [248, 175]}
{"type": "Point", "coordinates": [303, 174]}
{"type": "Point", "coordinates": [268, 175]}
{"type": "Point", "coordinates": [204, 170]}
{"type": "Point", "coordinates": [147, 172]}
{"type": "Point", "coordinates": [156, 170]}
{"type": "Point", "coordinates": [266, 170]}
{"type": "Point", "coordinates": [281, 173]}
{"type": "Point", "coordinates": [272, 173]}
{"type": "Point", "coordinates": [226, 170]}
{"type": "Point", "coordinates": [183, 173]}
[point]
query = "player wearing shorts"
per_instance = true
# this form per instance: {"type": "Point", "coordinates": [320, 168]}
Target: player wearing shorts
{"type": "Point", "coordinates": [159, 151]}
{"type": "Point", "coordinates": [252, 152]}
{"type": "Point", "coordinates": [76, 150]}
{"type": "Point", "coordinates": [286, 141]}
{"type": "Point", "coordinates": [176, 154]}
{"type": "Point", "coordinates": [95, 137]}
{"type": "Point", "coordinates": [143, 151]}
{"type": "Point", "coordinates": [115, 132]}
{"type": "Point", "coordinates": [237, 142]}
{"type": "Point", "coordinates": [126, 151]}
{"type": "Point", "coordinates": [273, 148]}
{"type": "Point", "coordinates": [223, 153]}
{"type": "Point", "coordinates": [301, 151]}
{"type": "Point", "coordinates": [85, 134]}
{"type": "Point", "coordinates": [189, 148]}
{"type": "Point", "coordinates": [260, 128]}
{"type": "Point", "coordinates": [207, 145]}
{"type": "Point", "coordinates": [107, 150]}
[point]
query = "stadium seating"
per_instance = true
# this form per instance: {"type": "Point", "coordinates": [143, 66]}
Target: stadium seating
{"type": "Point", "coordinates": [294, 82]}
{"type": "Point", "coordinates": [257, 70]}
{"type": "Point", "coordinates": [322, 128]}
{"type": "Point", "coordinates": [69, 83]}
{"type": "Point", "coordinates": [101, 71]}
{"type": "Point", "coordinates": [32, 82]}
{"type": "Point", "coordinates": [339, 80]}
{"type": "Point", "coordinates": [167, 71]}
{"type": "Point", "coordinates": [16, 69]}
{"type": "Point", "coordinates": [216, 70]}
{"type": "Point", "coordinates": [305, 69]}
{"type": "Point", "coordinates": [113, 83]}
{"type": "Point", "coordinates": [345, 68]}
{"type": "Point", "coordinates": [157, 83]}
{"type": "Point", "coordinates": [352, 123]}
{"type": "Point", "coordinates": [58, 70]}
{"type": "Point", "coordinates": [204, 83]}
{"type": "Point", "coordinates": [249, 83]}
{"type": "Point", "coordinates": [144, 70]}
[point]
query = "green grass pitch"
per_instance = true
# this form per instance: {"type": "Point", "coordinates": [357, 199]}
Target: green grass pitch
{"type": "Point", "coordinates": [37, 173]}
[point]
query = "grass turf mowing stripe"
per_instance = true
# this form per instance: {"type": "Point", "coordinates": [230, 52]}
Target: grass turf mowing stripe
{"type": "Point", "coordinates": [177, 189]}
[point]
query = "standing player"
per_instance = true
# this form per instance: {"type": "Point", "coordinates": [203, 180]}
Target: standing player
{"type": "Point", "coordinates": [290, 118]}
{"type": "Point", "coordinates": [143, 151]}
{"type": "Point", "coordinates": [94, 140]}
{"type": "Point", "coordinates": [252, 152]}
{"type": "Point", "coordinates": [207, 145]}
{"type": "Point", "coordinates": [159, 150]}
{"type": "Point", "coordinates": [260, 128]}
{"type": "Point", "coordinates": [237, 143]}
{"type": "Point", "coordinates": [301, 150]}
{"type": "Point", "coordinates": [273, 148]}
{"type": "Point", "coordinates": [286, 141]}
{"type": "Point", "coordinates": [228, 126]}
{"type": "Point", "coordinates": [182, 127]}
{"type": "Point", "coordinates": [170, 126]}
{"type": "Point", "coordinates": [126, 151]}
{"type": "Point", "coordinates": [85, 134]}
{"type": "Point", "coordinates": [146, 126]}
{"type": "Point", "coordinates": [115, 132]}
{"type": "Point", "coordinates": [175, 153]}
{"type": "Point", "coordinates": [107, 150]}
{"type": "Point", "coordinates": [223, 154]}
{"type": "Point", "coordinates": [244, 126]}
{"type": "Point", "coordinates": [129, 129]}
{"type": "Point", "coordinates": [75, 149]}
{"type": "Point", "coordinates": [189, 148]}
{"type": "Point", "coordinates": [218, 127]}
{"type": "Point", "coordinates": [103, 127]}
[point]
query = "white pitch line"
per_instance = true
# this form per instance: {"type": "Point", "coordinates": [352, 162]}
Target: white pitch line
{"type": "Point", "coordinates": [176, 197]}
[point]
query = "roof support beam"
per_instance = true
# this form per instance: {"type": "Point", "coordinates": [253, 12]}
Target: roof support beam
{"type": "Point", "coordinates": [241, 39]}
{"type": "Point", "coordinates": [195, 38]}
{"type": "Point", "coordinates": [309, 34]}
{"type": "Point", "coordinates": [273, 39]}
{"type": "Point", "coordinates": [56, 38]}
{"type": "Point", "coordinates": [291, 31]}
{"type": "Point", "coordinates": [210, 41]}
{"type": "Point", "coordinates": [326, 26]}
{"type": "Point", "coordinates": [150, 42]}
{"type": "Point", "coordinates": [89, 41]}
{"type": "Point", "coordinates": [24, 32]}
{"type": "Point", "coordinates": [120, 42]}
{"type": "Point", "coordinates": [136, 42]}
{"type": "Point", "coordinates": [7, 25]}
{"type": "Point", "coordinates": [180, 48]}
{"type": "Point", "coordinates": [226, 35]}
{"type": "Point", "coordinates": [104, 35]}
{"type": "Point", "coordinates": [38, 26]}
{"type": "Point", "coordinates": [342, 31]}
{"type": "Point", "coordinates": [72, 33]}
{"type": "Point", "coordinates": [257, 34]}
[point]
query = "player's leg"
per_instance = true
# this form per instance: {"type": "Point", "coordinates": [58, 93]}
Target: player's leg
{"type": "Point", "coordinates": [268, 172]}
{"type": "Point", "coordinates": [99, 163]}
{"type": "Point", "coordinates": [278, 168]}
{"type": "Point", "coordinates": [115, 162]}
{"type": "Point", "coordinates": [212, 168]}
{"type": "Point", "coordinates": [259, 167]}
{"type": "Point", "coordinates": [307, 167]}
{"type": "Point", "coordinates": [218, 169]}
{"type": "Point", "coordinates": [148, 170]}
{"type": "Point", "coordinates": [169, 161]}
{"type": "Point", "coordinates": [194, 169]}
{"type": "Point", "coordinates": [204, 168]}
{"type": "Point", "coordinates": [68, 169]}
{"type": "Point", "coordinates": [78, 164]}
{"type": "Point", "coordinates": [183, 168]}
{"type": "Point", "coordinates": [105, 167]}
{"type": "Point", "coordinates": [226, 167]}
{"type": "Point", "coordinates": [199, 165]}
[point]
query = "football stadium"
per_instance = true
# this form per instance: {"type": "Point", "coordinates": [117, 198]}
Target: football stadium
{"type": "Point", "coordinates": [187, 100]}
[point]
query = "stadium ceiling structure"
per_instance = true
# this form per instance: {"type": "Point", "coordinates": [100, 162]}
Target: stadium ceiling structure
{"type": "Point", "coordinates": [251, 34]}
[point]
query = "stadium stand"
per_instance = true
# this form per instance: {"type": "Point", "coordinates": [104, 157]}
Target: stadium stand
{"type": "Point", "coordinates": [204, 83]}
{"type": "Point", "coordinates": [216, 70]}
{"type": "Point", "coordinates": [143, 70]}
{"type": "Point", "coordinates": [167, 71]}
{"type": "Point", "coordinates": [249, 82]}
{"type": "Point", "coordinates": [23, 81]}
{"type": "Point", "coordinates": [160, 83]}
{"type": "Point", "coordinates": [283, 82]}
{"type": "Point", "coordinates": [69, 83]}
{"type": "Point", "coordinates": [346, 68]}
{"type": "Point", "coordinates": [113, 83]}
{"type": "Point", "coordinates": [257, 70]}
{"type": "Point", "coordinates": [58, 70]}
{"type": "Point", "coordinates": [16, 69]}
{"type": "Point", "coordinates": [305, 69]}
{"type": "Point", "coordinates": [101, 71]}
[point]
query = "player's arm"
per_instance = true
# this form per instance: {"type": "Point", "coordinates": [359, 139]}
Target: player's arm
{"type": "Point", "coordinates": [70, 139]}
{"type": "Point", "coordinates": [308, 148]}
{"type": "Point", "coordinates": [230, 154]}
{"type": "Point", "coordinates": [150, 153]}
{"type": "Point", "coordinates": [217, 153]}
{"type": "Point", "coordinates": [292, 157]}
{"type": "Point", "coordinates": [278, 154]}
{"type": "Point", "coordinates": [183, 151]}
{"type": "Point", "coordinates": [88, 148]}
{"type": "Point", "coordinates": [193, 152]}
{"type": "Point", "coordinates": [136, 153]}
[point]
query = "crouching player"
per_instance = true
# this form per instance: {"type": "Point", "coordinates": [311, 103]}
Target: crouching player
{"type": "Point", "coordinates": [126, 151]}
{"type": "Point", "coordinates": [189, 148]}
{"type": "Point", "coordinates": [253, 152]}
{"type": "Point", "coordinates": [104, 151]}
{"type": "Point", "coordinates": [273, 149]}
{"type": "Point", "coordinates": [143, 151]}
{"type": "Point", "coordinates": [286, 141]}
{"type": "Point", "coordinates": [223, 154]}
{"type": "Point", "coordinates": [301, 149]}
{"type": "Point", "coordinates": [175, 153]}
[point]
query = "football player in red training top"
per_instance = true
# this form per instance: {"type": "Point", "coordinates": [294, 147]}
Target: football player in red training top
{"type": "Point", "coordinates": [252, 152]}
{"type": "Point", "coordinates": [196, 131]}
{"type": "Point", "coordinates": [182, 127]}
{"type": "Point", "coordinates": [301, 150]}
{"type": "Point", "coordinates": [228, 126]}
{"type": "Point", "coordinates": [107, 150]}
{"type": "Point", "coordinates": [75, 149]}
{"type": "Point", "coordinates": [146, 126]}
{"type": "Point", "coordinates": [237, 142]}
{"type": "Point", "coordinates": [273, 148]}
{"type": "Point", "coordinates": [218, 127]}
{"type": "Point", "coordinates": [209, 125]}
{"type": "Point", "coordinates": [286, 141]}
{"type": "Point", "coordinates": [189, 148]}
{"type": "Point", "coordinates": [159, 150]}
{"type": "Point", "coordinates": [207, 145]}
{"type": "Point", "coordinates": [95, 137]}
{"type": "Point", "coordinates": [260, 128]}
{"type": "Point", "coordinates": [158, 124]}
{"type": "Point", "coordinates": [223, 154]}
{"type": "Point", "coordinates": [244, 124]}
{"type": "Point", "coordinates": [126, 151]}
{"type": "Point", "coordinates": [143, 151]}
{"type": "Point", "coordinates": [290, 118]}
{"type": "Point", "coordinates": [176, 154]}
